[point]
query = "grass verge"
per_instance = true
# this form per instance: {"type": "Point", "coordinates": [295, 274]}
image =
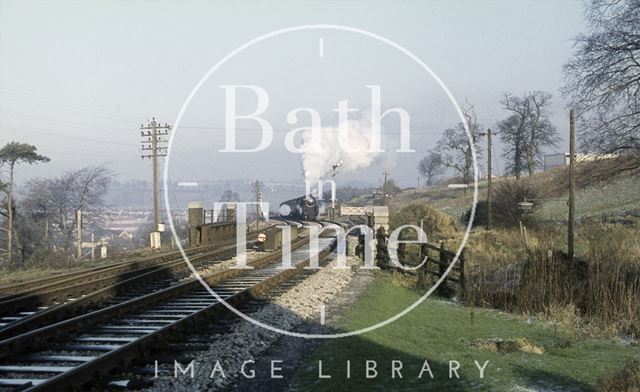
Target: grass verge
{"type": "Point", "coordinates": [439, 332]}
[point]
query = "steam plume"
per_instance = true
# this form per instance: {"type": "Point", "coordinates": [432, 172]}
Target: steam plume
{"type": "Point", "coordinates": [324, 150]}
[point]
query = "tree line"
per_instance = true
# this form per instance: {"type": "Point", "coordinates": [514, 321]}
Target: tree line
{"type": "Point", "coordinates": [601, 83]}
{"type": "Point", "coordinates": [41, 222]}
{"type": "Point", "coordinates": [525, 132]}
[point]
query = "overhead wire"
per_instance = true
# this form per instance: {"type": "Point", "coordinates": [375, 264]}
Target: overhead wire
{"type": "Point", "coordinates": [65, 103]}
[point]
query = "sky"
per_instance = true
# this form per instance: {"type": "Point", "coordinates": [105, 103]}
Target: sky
{"type": "Point", "coordinates": [77, 78]}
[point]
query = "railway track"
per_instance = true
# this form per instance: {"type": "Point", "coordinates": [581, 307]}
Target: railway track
{"type": "Point", "coordinates": [53, 302]}
{"type": "Point", "coordinates": [35, 285]}
{"type": "Point", "coordinates": [144, 372]}
{"type": "Point", "coordinates": [76, 351]}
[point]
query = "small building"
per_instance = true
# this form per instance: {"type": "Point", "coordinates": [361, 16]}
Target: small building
{"type": "Point", "coordinates": [562, 159]}
{"type": "Point", "coordinates": [125, 236]}
{"type": "Point", "coordinates": [114, 234]}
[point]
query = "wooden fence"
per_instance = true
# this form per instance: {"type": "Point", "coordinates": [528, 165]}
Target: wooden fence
{"type": "Point", "coordinates": [438, 261]}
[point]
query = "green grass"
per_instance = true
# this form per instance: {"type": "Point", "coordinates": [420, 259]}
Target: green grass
{"type": "Point", "coordinates": [440, 331]}
{"type": "Point", "coordinates": [11, 277]}
{"type": "Point", "coordinates": [617, 199]}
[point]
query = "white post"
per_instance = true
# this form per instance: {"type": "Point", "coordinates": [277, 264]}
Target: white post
{"type": "Point", "coordinates": [93, 246]}
{"type": "Point", "coordinates": [79, 234]}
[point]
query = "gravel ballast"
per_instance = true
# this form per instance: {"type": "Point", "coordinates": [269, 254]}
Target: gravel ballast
{"type": "Point", "coordinates": [296, 309]}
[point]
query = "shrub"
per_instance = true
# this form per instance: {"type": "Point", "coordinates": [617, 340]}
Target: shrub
{"type": "Point", "coordinates": [480, 218]}
{"type": "Point", "coordinates": [505, 205]}
{"type": "Point", "coordinates": [436, 224]}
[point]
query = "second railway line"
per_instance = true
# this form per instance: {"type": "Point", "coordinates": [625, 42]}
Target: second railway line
{"type": "Point", "coordinates": [71, 352]}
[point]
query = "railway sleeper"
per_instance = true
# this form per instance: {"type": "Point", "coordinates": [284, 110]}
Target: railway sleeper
{"type": "Point", "coordinates": [79, 375]}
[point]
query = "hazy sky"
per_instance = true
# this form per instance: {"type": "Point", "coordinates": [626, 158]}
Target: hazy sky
{"type": "Point", "coordinates": [78, 77]}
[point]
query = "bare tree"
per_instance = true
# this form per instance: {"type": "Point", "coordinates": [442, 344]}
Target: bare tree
{"type": "Point", "coordinates": [431, 167]}
{"type": "Point", "coordinates": [541, 132]}
{"type": "Point", "coordinates": [456, 147]}
{"type": "Point", "coordinates": [55, 201]}
{"type": "Point", "coordinates": [512, 136]}
{"type": "Point", "coordinates": [38, 205]}
{"type": "Point", "coordinates": [603, 78]}
{"type": "Point", "coordinates": [526, 131]}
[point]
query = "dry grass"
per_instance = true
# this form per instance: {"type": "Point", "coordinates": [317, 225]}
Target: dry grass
{"type": "Point", "coordinates": [399, 279]}
{"type": "Point", "coordinates": [618, 175]}
{"type": "Point", "coordinates": [521, 272]}
{"type": "Point", "coordinates": [51, 263]}
{"type": "Point", "coordinates": [626, 380]}
{"type": "Point", "coordinates": [507, 346]}
{"type": "Point", "coordinates": [437, 224]}
{"type": "Point", "coordinates": [617, 243]}
{"type": "Point", "coordinates": [495, 247]}
{"type": "Point", "coordinates": [555, 182]}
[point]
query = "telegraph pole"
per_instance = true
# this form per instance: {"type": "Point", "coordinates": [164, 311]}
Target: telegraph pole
{"type": "Point", "coordinates": [93, 246]}
{"type": "Point", "coordinates": [152, 141]}
{"type": "Point", "coordinates": [257, 188]}
{"type": "Point", "coordinates": [489, 178]}
{"type": "Point", "coordinates": [384, 188]}
{"type": "Point", "coordinates": [572, 181]}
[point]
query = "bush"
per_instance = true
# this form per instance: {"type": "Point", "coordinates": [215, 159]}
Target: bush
{"type": "Point", "coordinates": [44, 257]}
{"type": "Point", "coordinates": [505, 205]}
{"type": "Point", "coordinates": [480, 218]}
{"type": "Point", "coordinates": [436, 224]}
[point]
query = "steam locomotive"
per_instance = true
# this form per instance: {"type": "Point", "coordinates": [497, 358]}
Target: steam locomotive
{"type": "Point", "coordinates": [305, 207]}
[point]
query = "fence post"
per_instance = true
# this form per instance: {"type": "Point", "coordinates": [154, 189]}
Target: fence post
{"type": "Point", "coordinates": [424, 252]}
{"type": "Point", "coordinates": [462, 279]}
{"type": "Point", "coordinates": [443, 261]}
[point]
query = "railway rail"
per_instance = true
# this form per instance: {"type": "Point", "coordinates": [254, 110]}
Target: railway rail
{"type": "Point", "coordinates": [17, 289]}
{"type": "Point", "coordinates": [145, 371]}
{"type": "Point", "coordinates": [47, 303]}
{"type": "Point", "coordinates": [73, 352]}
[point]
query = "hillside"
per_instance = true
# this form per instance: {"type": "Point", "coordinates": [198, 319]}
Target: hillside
{"type": "Point", "coordinates": [607, 189]}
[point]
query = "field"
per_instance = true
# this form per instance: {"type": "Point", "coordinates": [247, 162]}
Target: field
{"type": "Point", "coordinates": [439, 331]}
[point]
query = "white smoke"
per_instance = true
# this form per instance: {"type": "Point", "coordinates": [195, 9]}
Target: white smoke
{"type": "Point", "coordinates": [322, 149]}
